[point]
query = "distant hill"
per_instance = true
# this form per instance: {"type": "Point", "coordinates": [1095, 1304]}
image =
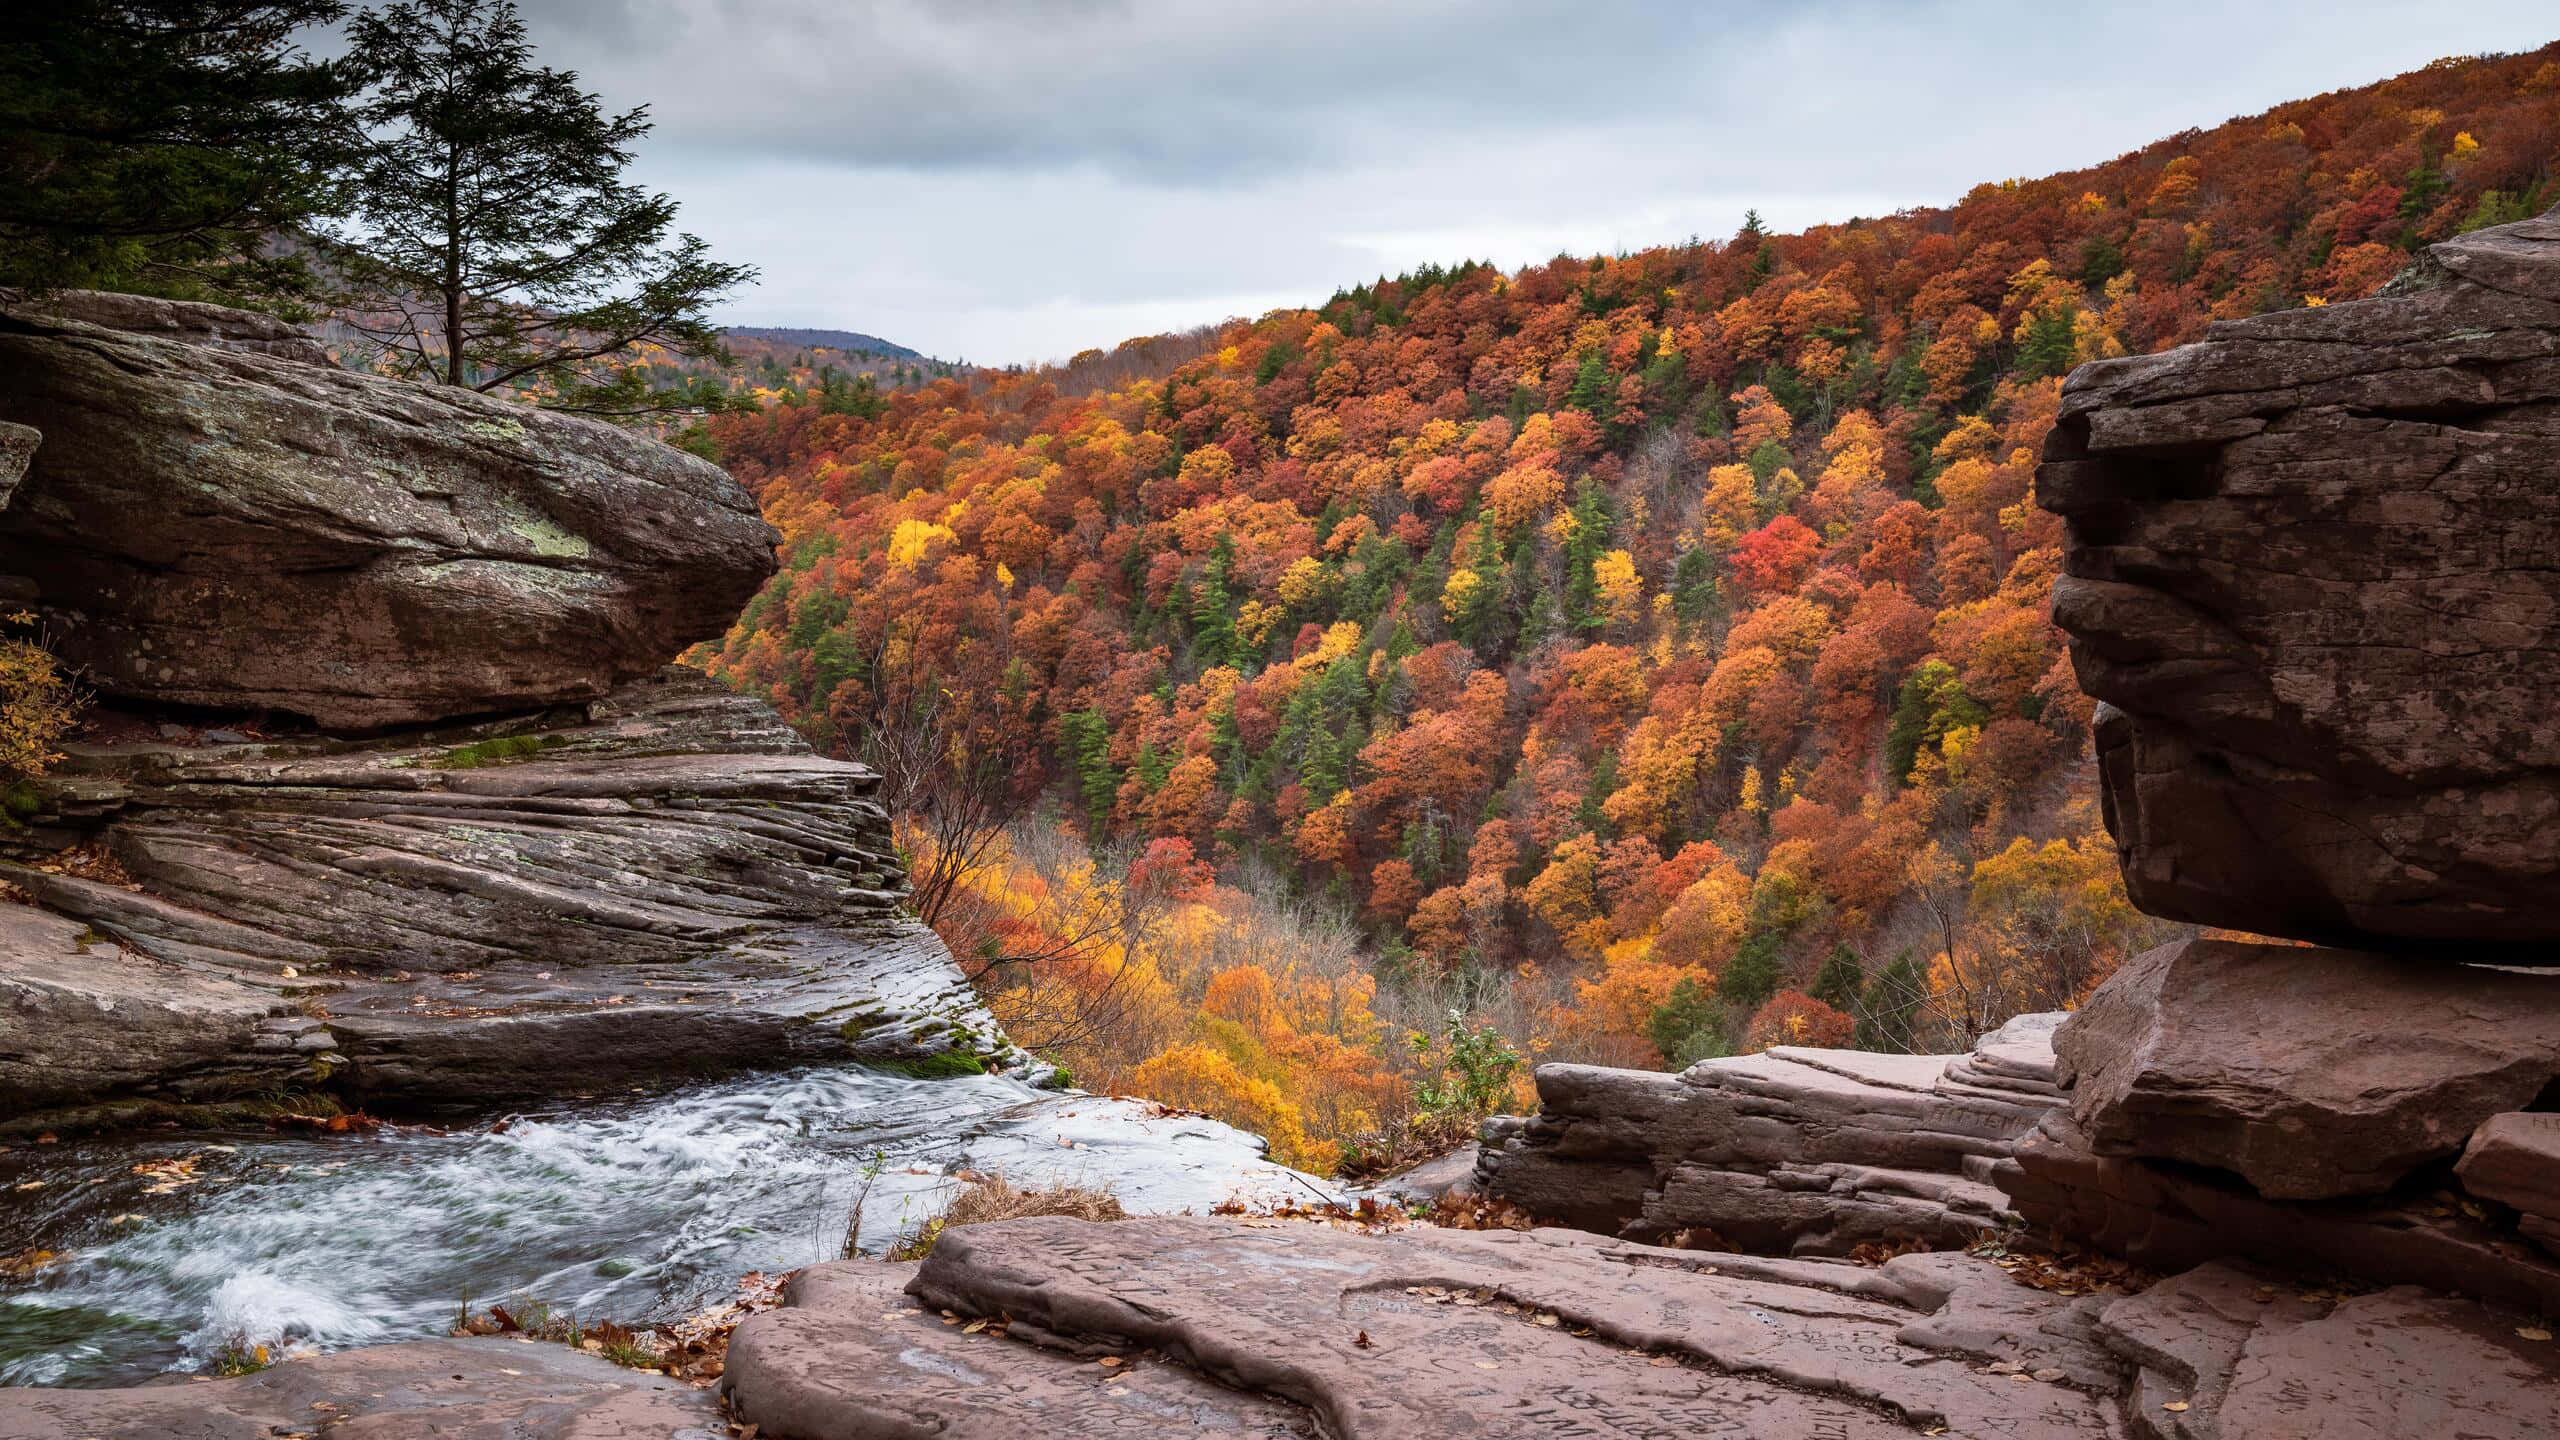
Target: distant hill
{"type": "Point", "coordinates": [853, 341]}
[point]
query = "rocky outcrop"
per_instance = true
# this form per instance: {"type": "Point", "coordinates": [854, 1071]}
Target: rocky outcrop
{"type": "Point", "coordinates": [1796, 1150]}
{"type": "Point", "coordinates": [1216, 1328]}
{"type": "Point", "coordinates": [489, 1387]}
{"type": "Point", "coordinates": [2380, 1063]}
{"type": "Point", "coordinates": [666, 881]}
{"type": "Point", "coordinates": [2305, 577]}
{"type": "Point", "coordinates": [208, 525]}
{"type": "Point", "coordinates": [2305, 573]}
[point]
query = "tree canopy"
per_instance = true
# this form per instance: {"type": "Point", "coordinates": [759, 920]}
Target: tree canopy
{"type": "Point", "coordinates": [165, 146]}
{"type": "Point", "coordinates": [494, 241]}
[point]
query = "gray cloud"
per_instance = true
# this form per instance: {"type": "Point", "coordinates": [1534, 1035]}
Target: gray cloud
{"type": "Point", "coordinates": [1014, 180]}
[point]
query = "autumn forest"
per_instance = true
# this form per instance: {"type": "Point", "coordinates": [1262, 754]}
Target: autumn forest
{"type": "Point", "coordinates": [1630, 659]}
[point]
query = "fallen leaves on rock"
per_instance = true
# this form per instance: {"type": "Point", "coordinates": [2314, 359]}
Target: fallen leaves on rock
{"type": "Point", "coordinates": [2062, 1269]}
{"type": "Point", "coordinates": [25, 1264]}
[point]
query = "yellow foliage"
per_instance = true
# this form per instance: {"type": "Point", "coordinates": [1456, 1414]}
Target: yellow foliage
{"type": "Point", "coordinates": [910, 539]}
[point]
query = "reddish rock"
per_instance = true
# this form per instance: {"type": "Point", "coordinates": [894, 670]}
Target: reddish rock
{"type": "Point", "coordinates": [460, 1388]}
{"type": "Point", "coordinates": [2515, 1160]}
{"type": "Point", "coordinates": [2171, 1217]}
{"type": "Point", "coordinates": [1552, 1333]}
{"type": "Point", "coordinates": [210, 526]}
{"type": "Point", "coordinates": [2305, 576]}
{"type": "Point", "coordinates": [1798, 1150]}
{"type": "Point", "coordinates": [2310, 1073]}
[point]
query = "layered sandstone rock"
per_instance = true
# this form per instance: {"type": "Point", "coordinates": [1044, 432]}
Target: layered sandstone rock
{"type": "Point", "coordinates": [2306, 575]}
{"type": "Point", "coordinates": [667, 881]}
{"type": "Point", "coordinates": [2312, 1074]}
{"type": "Point", "coordinates": [1213, 1328]}
{"type": "Point", "coordinates": [209, 525]}
{"type": "Point", "coordinates": [1799, 1150]}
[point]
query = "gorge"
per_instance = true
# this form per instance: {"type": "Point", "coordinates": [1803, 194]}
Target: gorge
{"type": "Point", "coordinates": [2296, 1177]}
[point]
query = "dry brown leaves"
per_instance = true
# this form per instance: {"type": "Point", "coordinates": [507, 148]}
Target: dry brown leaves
{"type": "Point", "coordinates": [694, 1349]}
{"type": "Point", "coordinates": [2063, 1269]}
{"type": "Point", "coordinates": [90, 862]}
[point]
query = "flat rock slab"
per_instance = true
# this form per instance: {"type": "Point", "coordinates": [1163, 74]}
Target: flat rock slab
{"type": "Point", "coordinates": [464, 1389]}
{"type": "Point", "coordinates": [853, 1356]}
{"type": "Point", "coordinates": [2381, 1063]}
{"type": "Point", "coordinates": [1494, 1334]}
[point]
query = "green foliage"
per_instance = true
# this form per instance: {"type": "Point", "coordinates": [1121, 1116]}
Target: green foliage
{"type": "Point", "coordinates": [506, 749]}
{"type": "Point", "coordinates": [1841, 980]}
{"type": "Point", "coordinates": [1087, 734]}
{"type": "Point", "coordinates": [1471, 1070]}
{"type": "Point", "coordinates": [1689, 1026]}
{"type": "Point", "coordinates": [942, 1065]}
{"type": "Point", "coordinates": [494, 242]}
{"type": "Point", "coordinates": [157, 145]}
{"type": "Point", "coordinates": [1932, 702]}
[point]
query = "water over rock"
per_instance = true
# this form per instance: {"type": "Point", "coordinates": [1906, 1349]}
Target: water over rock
{"type": "Point", "coordinates": [214, 520]}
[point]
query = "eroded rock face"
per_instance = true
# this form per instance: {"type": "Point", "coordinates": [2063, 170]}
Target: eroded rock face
{"type": "Point", "coordinates": [1798, 1150]}
{"type": "Point", "coordinates": [2308, 575]}
{"type": "Point", "coordinates": [2310, 1073]}
{"type": "Point", "coordinates": [207, 525]}
{"type": "Point", "coordinates": [666, 881]}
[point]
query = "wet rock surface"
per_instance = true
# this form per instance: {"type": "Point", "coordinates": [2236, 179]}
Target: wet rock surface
{"type": "Point", "coordinates": [210, 525]}
{"type": "Point", "coordinates": [2381, 1063]}
{"type": "Point", "coordinates": [666, 881]}
{"type": "Point", "coordinates": [1796, 1150]}
{"type": "Point", "coordinates": [516, 1389]}
{"type": "Point", "coordinates": [2301, 576]}
{"type": "Point", "coordinates": [1213, 1327]}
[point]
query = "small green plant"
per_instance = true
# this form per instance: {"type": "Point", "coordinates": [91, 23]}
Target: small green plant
{"type": "Point", "coordinates": [239, 1356]}
{"type": "Point", "coordinates": [503, 750]}
{"type": "Point", "coordinates": [1472, 1073]}
{"type": "Point", "coordinates": [871, 1172]}
{"type": "Point", "coordinates": [948, 1065]}
{"type": "Point", "coordinates": [630, 1354]}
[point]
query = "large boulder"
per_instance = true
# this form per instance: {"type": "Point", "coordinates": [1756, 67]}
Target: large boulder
{"type": "Point", "coordinates": [2312, 1074]}
{"type": "Point", "coordinates": [211, 524]}
{"type": "Point", "coordinates": [2308, 575]}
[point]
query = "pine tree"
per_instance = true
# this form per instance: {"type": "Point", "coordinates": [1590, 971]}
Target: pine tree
{"type": "Point", "coordinates": [495, 243]}
{"type": "Point", "coordinates": [159, 146]}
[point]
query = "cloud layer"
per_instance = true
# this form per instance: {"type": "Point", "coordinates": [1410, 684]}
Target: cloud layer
{"type": "Point", "coordinates": [1009, 180]}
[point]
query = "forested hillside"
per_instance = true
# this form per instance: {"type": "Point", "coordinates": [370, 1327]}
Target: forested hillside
{"type": "Point", "coordinates": [1649, 653]}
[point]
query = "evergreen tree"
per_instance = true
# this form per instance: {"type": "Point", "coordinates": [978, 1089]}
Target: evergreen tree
{"type": "Point", "coordinates": [159, 146]}
{"type": "Point", "coordinates": [1841, 980]}
{"type": "Point", "coordinates": [495, 242]}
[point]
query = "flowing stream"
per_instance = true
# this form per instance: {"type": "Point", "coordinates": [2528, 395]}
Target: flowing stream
{"type": "Point", "coordinates": [648, 1208]}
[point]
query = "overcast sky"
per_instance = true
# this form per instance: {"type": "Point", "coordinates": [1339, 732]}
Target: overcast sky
{"type": "Point", "coordinates": [1015, 180]}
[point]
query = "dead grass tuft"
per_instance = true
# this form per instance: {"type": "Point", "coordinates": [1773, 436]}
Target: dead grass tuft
{"type": "Point", "coordinates": [989, 1198]}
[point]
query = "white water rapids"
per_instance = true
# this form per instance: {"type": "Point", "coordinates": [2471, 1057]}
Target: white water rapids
{"type": "Point", "coordinates": [644, 1208]}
